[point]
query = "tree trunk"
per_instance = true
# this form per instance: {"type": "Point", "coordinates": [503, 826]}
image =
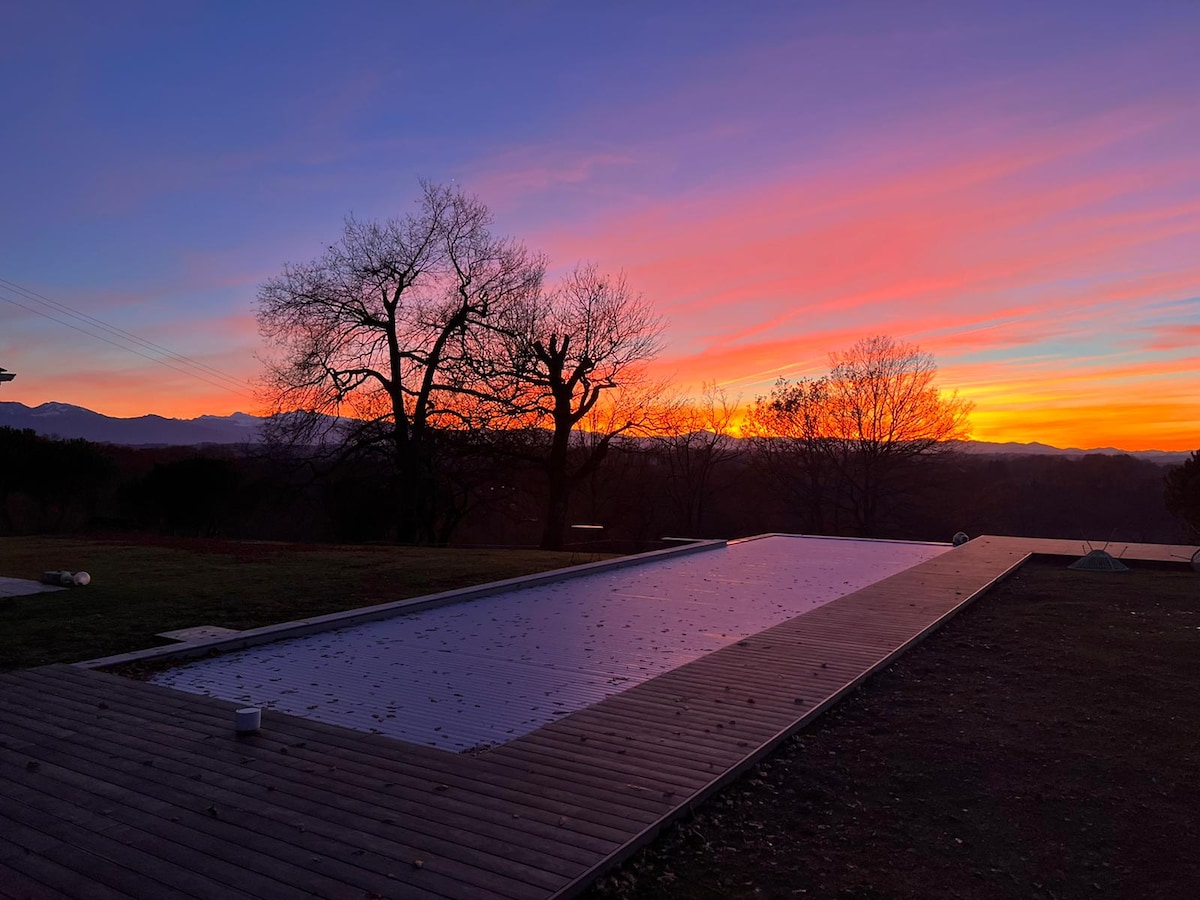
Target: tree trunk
{"type": "Point", "coordinates": [408, 490]}
{"type": "Point", "coordinates": [555, 527]}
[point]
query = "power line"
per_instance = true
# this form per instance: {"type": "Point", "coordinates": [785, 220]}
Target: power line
{"type": "Point", "coordinates": [63, 308]}
{"type": "Point", "coordinates": [127, 349]}
{"type": "Point", "coordinates": [120, 338]}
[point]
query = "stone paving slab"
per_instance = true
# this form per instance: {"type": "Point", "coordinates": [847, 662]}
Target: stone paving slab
{"type": "Point", "coordinates": [197, 633]}
{"type": "Point", "coordinates": [20, 587]}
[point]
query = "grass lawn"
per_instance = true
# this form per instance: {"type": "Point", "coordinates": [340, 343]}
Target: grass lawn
{"type": "Point", "coordinates": [142, 586]}
{"type": "Point", "coordinates": [1043, 744]}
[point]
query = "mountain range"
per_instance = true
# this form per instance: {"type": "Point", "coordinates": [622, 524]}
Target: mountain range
{"type": "Point", "coordinates": [66, 421]}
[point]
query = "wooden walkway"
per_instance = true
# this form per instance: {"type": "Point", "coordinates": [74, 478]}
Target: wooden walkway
{"type": "Point", "coordinates": [115, 788]}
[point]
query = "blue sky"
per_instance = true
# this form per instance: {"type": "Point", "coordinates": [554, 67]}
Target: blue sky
{"type": "Point", "coordinates": [1012, 186]}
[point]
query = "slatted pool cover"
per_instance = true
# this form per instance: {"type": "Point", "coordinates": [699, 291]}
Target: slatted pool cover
{"type": "Point", "coordinates": [483, 672]}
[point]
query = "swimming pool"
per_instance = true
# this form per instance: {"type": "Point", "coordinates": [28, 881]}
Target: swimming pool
{"type": "Point", "coordinates": [487, 670]}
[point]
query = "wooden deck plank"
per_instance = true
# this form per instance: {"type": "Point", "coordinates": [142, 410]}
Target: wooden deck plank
{"type": "Point", "coordinates": [691, 704]}
{"type": "Point", "coordinates": [94, 856]}
{"type": "Point", "coordinates": [291, 798]}
{"type": "Point", "coordinates": [736, 679]}
{"type": "Point", "coordinates": [581, 758]}
{"type": "Point", "coordinates": [709, 727]}
{"type": "Point", "coordinates": [28, 869]}
{"type": "Point", "coordinates": [295, 858]}
{"type": "Point", "coordinates": [639, 735]}
{"type": "Point", "coordinates": [220, 720]}
{"type": "Point", "coordinates": [63, 787]}
{"type": "Point", "coordinates": [298, 735]}
{"type": "Point", "coordinates": [220, 758]}
{"type": "Point", "coordinates": [115, 787]}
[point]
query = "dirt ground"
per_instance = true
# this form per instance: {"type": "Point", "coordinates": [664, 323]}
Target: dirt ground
{"type": "Point", "coordinates": [1044, 744]}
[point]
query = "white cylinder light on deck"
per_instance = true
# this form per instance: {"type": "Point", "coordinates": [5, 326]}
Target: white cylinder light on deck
{"type": "Point", "coordinates": [248, 720]}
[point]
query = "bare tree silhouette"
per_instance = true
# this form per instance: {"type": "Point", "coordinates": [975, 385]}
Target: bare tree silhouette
{"type": "Point", "coordinates": [578, 355]}
{"type": "Point", "coordinates": [877, 412]}
{"type": "Point", "coordinates": [369, 342]}
{"type": "Point", "coordinates": [696, 441]}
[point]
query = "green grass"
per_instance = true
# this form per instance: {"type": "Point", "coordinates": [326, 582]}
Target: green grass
{"type": "Point", "coordinates": [142, 586]}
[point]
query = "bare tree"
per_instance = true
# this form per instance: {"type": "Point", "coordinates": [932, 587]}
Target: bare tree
{"type": "Point", "coordinates": [370, 343]}
{"type": "Point", "coordinates": [791, 447]}
{"type": "Point", "coordinates": [571, 355]}
{"type": "Point", "coordinates": [696, 440]}
{"type": "Point", "coordinates": [877, 412]}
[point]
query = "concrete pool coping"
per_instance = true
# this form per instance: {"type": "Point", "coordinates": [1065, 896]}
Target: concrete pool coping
{"type": "Point", "coordinates": [25, 587]}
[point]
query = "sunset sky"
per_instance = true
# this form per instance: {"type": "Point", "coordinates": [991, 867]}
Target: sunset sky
{"type": "Point", "coordinates": [1015, 187]}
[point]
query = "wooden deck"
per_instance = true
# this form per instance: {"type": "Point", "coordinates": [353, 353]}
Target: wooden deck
{"type": "Point", "coordinates": [115, 788]}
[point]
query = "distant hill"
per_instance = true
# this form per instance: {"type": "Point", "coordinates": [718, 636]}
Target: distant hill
{"type": "Point", "coordinates": [1012, 448]}
{"type": "Point", "coordinates": [66, 421]}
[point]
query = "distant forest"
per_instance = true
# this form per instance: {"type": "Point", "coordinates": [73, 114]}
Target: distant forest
{"type": "Point", "coordinates": [646, 490]}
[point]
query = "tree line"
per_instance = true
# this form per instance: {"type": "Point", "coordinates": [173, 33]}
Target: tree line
{"type": "Point", "coordinates": [683, 483]}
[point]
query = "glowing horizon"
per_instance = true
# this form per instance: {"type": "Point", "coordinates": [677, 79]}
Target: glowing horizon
{"type": "Point", "coordinates": [1014, 191]}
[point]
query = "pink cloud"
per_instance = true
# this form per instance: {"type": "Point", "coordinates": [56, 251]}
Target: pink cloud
{"type": "Point", "coordinates": [1174, 337]}
{"type": "Point", "coordinates": [520, 173]}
